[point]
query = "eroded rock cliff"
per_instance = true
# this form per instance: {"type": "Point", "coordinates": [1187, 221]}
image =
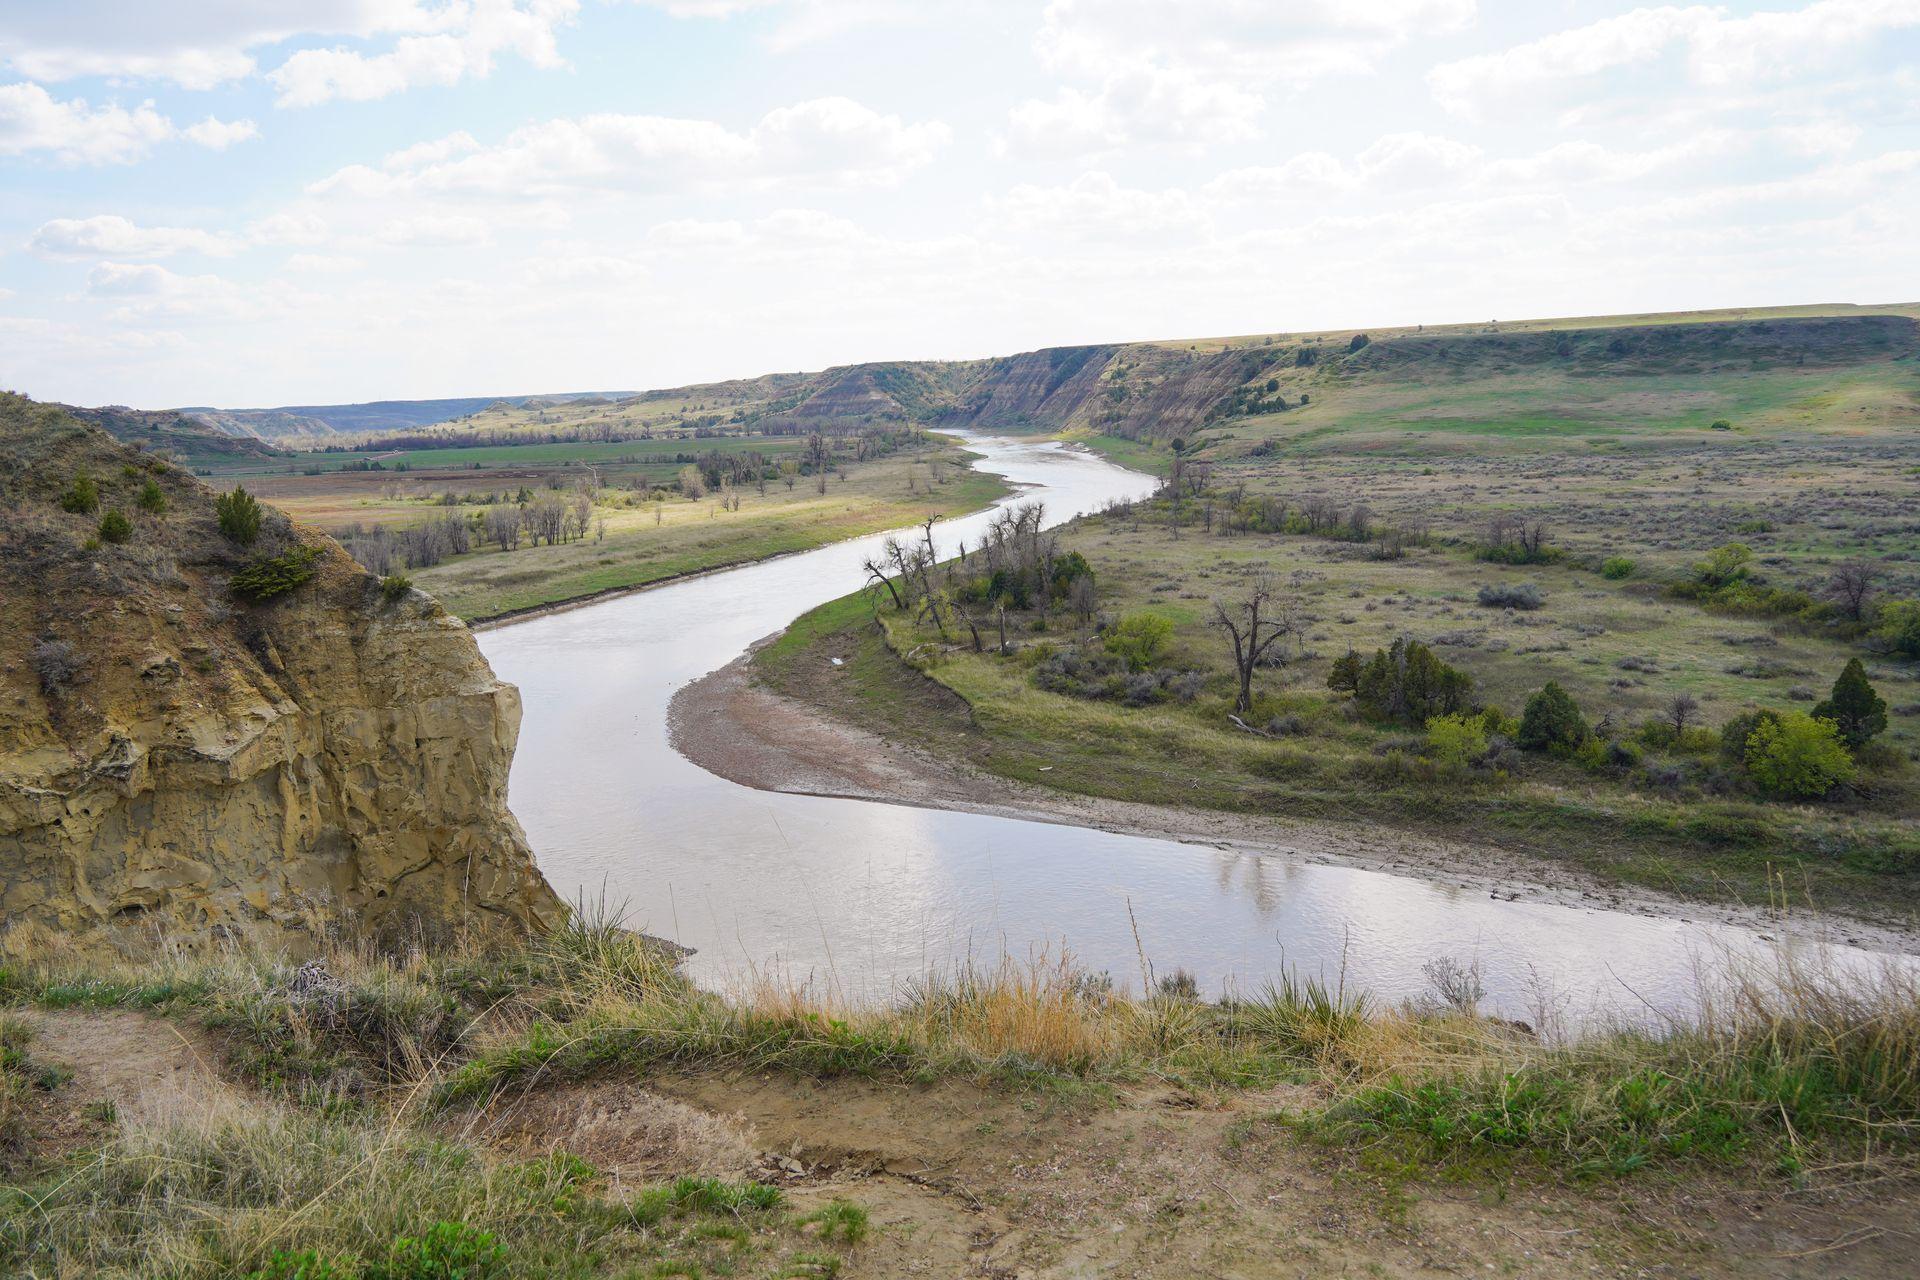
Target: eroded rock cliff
{"type": "Point", "coordinates": [172, 752]}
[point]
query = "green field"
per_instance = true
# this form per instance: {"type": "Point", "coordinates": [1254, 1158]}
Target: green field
{"type": "Point", "coordinates": [692, 537]}
{"type": "Point", "coordinates": [651, 455]}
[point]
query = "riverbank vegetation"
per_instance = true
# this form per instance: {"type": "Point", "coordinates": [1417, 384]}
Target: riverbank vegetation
{"type": "Point", "coordinates": [1640, 599]}
{"type": "Point", "coordinates": [1340, 668]}
{"type": "Point", "coordinates": [503, 528]}
{"type": "Point", "coordinates": [355, 1121]}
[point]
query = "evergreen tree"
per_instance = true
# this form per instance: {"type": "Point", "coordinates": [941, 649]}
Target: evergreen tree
{"type": "Point", "coordinates": [239, 515]}
{"type": "Point", "coordinates": [1552, 722]}
{"type": "Point", "coordinates": [1853, 706]}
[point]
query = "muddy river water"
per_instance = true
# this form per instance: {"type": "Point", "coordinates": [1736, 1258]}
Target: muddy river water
{"type": "Point", "coordinates": [866, 896]}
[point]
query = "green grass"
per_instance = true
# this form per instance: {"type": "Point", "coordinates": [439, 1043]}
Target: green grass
{"type": "Point", "coordinates": [487, 584]}
{"type": "Point", "coordinates": [1784, 1066]}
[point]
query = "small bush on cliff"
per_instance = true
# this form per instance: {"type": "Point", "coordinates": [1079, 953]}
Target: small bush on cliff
{"type": "Point", "coordinates": [152, 499]}
{"type": "Point", "coordinates": [56, 663]}
{"type": "Point", "coordinates": [265, 577]}
{"type": "Point", "coordinates": [395, 586]}
{"type": "Point", "coordinates": [239, 516]}
{"type": "Point", "coordinates": [82, 497]}
{"type": "Point", "coordinates": [115, 528]}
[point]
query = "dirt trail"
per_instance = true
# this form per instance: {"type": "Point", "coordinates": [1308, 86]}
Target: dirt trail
{"type": "Point", "coordinates": [139, 1063]}
{"type": "Point", "coordinates": [966, 1181]}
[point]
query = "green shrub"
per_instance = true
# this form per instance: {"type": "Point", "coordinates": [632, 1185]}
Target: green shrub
{"type": "Point", "coordinates": [1724, 566]}
{"type": "Point", "coordinates": [395, 585]}
{"type": "Point", "coordinates": [1456, 739]}
{"type": "Point", "coordinates": [1616, 567]}
{"type": "Point", "coordinates": [1344, 677]}
{"type": "Point", "coordinates": [1139, 639]}
{"type": "Point", "coordinates": [1552, 722]}
{"type": "Point", "coordinates": [1898, 627]}
{"type": "Point", "coordinates": [1797, 757]}
{"type": "Point", "coordinates": [307, 1264]}
{"type": "Point", "coordinates": [1721, 424]}
{"type": "Point", "coordinates": [1738, 732]}
{"type": "Point", "coordinates": [448, 1251]}
{"type": "Point", "coordinates": [265, 577]}
{"type": "Point", "coordinates": [239, 516]}
{"type": "Point", "coordinates": [1854, 707]}
{"type": "Point", "coordinates": [1408, 684]}
{"type": "Point", "coordinates": [152, 499]}
{"type": "Point", "coordinates": [82, 497]}
{"type": "Point", "coordinates": [115, 528]}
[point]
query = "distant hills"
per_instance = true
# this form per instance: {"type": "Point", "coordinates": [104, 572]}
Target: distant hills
{"type": "Point", "coordinates": [1143, 390]}
{"type": "Point", "coordinates": [172, 430]}
{"type": "Point", "coordinates": [374, 415]}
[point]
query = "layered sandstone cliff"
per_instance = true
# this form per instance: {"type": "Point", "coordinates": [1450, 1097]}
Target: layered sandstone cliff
{"type": "Point", "coordinates": [172, 753]}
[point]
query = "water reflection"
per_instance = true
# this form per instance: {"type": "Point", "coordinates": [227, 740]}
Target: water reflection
{"type": "Point", "coordinates": [863, 895]}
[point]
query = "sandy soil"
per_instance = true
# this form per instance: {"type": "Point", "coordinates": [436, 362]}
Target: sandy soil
{"type": "Point", "coordinates": [730, 725]}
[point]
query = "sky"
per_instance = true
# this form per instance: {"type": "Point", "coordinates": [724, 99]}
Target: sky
{"type": "Point", "coordinates": [246, 203]}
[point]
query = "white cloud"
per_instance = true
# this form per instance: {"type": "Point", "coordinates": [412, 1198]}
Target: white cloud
{"type": "Point", "coordinates": [75, 132]}
{"type": "Point", "coordinates": [492, 27]}
{"type": "Point", "coordinates": [323, 264]}
{"type": "Point", "coordinates": [1309, 174]}
{"type": "Point", "coordinates": [1416, 159]}
{"type": "Point", "coordinates": [1137, 103]}
{"type": "Point", "coordinates": [109, 235]}
{"type": "Point", "coordinates": [122, 280]}
{"type": "Point", "coordinates": [583, 267]}
{"type": "Point", "coordinates": [31, 119]}
{"type": "Point", "coordinates": [1717, 48]}
{"type": "Point", "coordinates": [828, 140]}
{"type": "Point", "coordinates": [1095, 203]}
{"type": "Point", "coordinates": [193, 45]}
{"type": "Point", "coordinates": [1199, 74]}
{"type": "Point", "coordinates": [288, 228]}
{"type": "Point", "coordinates": [218, 135]}
{"type": "Point", "coordinates": [421, 154]}
{"type": "Point", "coordinates": [435, 231]}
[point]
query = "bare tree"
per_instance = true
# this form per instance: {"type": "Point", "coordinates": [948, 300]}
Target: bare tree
{"type": "Point", "coordinates": [1851, 588]}
{"type": "Point", "coordinates": [503, 527]}
{"type": "Point", "coordinates": [1255, 623]}
{"type": "Point", "coordinates": [1682, 710]}
{"type": "Point", "coordinates": [876, 571]}
{"type": "Point", "coordinates": [1081, 598]}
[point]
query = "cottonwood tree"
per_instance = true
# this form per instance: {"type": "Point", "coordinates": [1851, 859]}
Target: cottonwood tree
{"type": "Point", "coordinates": [503, 527]}
{"type": "Point", "coordinates": [1254, 623]}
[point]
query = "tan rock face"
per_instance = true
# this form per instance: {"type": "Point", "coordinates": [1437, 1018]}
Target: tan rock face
{"type": "Point", "coordinates": [171, 755]}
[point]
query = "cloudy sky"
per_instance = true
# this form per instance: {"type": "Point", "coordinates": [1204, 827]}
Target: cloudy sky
{"type": "Point", "coordinates": [242, 203]}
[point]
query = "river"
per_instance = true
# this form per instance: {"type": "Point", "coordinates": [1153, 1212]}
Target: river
{"type": "Point", "coordinates": [862, 896]}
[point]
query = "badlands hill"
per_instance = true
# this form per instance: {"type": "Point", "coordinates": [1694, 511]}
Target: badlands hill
{"type": "Point", "coordinates": [216, 736]}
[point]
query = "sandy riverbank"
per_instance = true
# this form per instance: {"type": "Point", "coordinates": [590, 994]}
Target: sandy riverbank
{"type": "Point", "coordinates": [731, 726]}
